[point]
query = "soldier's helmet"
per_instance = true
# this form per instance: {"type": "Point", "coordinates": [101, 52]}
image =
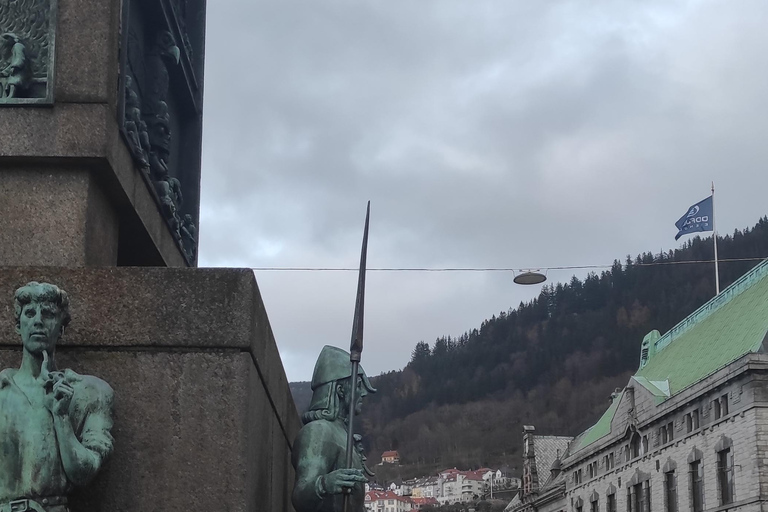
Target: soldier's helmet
{"type": "Point", "coordinates": [332, 365]}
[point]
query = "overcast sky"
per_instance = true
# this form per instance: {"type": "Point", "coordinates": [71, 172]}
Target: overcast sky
{"type": "Point", "coordinates": [486, 133]}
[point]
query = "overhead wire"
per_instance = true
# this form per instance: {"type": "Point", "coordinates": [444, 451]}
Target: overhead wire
{"type": "Point", "coordinates": [495, 269]}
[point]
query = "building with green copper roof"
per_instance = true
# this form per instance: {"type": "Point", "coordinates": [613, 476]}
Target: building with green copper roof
{"type": "Point", "coordinates": [689, 431]}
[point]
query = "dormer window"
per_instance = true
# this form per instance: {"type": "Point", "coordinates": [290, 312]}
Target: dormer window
{"type": "Point", "coordinates": [648, 347]}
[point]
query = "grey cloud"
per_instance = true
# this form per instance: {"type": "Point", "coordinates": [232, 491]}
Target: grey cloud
{"type": "Point", "coordinates": [486, 133]}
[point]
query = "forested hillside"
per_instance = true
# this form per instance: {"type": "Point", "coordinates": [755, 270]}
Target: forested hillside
{"type": "Point", "coordinates": [551, 362]}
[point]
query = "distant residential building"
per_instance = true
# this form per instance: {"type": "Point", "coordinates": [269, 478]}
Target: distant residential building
{"type": "Point", "coordinates": [401, 488]}
{"type": "Point", "coordinates": [455, 486]}
{"type": "Point", "coordinates": [507, 478]}
{"type": "Point", "coordinates": [426, 488]}
{"type": "Point", "coordinates": [390, 457]}
{"type": "Point", "coordinates": [686, 434]}
{"type": "Point", "coordinates": [421, 503]}
{"type": "Point", "coordinates": [472, 485]}
{"type": "Point", "coordinates": [492, 477]}
{"type": "Point", "coordinates": [450, 489]}
{"type": "Point", "coordinates": [386, 501]}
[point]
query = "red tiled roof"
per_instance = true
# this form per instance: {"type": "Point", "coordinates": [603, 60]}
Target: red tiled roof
{"type": "Point", "coordinates": [391, 453]}
{"type": "Point", "coordinates": [384, 495]}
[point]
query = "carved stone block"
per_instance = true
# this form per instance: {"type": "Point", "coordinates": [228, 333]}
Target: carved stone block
{"type": "Point", "coordinates": [27, 43]}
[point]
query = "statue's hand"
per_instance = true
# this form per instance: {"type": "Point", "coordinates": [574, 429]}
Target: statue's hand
{"type": "Point", "coordinates": [61, 398]}
{"type": "Point", "coordinates": [337, 481]}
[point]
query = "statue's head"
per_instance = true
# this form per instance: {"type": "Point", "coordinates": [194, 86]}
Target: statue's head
{"type": "Point", "coordinates": [9, 39]}
{"type": "Point", "coordinates": [166, 45]}
{"type": "Point", "coordinates": [42, 313]}
{"type": "Point", "coordinates": [332, 386]}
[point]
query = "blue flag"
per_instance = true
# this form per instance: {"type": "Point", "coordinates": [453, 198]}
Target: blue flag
{"type": "Point", "coordinates": [698, 218]}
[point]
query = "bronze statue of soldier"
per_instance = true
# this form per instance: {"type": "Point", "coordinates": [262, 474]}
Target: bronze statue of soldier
{"type": "Point", "coordinates": [54, 425]}
{"type": "Point", "coordinates": [319, 451]}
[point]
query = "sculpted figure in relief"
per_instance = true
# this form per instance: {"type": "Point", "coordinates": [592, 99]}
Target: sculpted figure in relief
{"type": "Point", "coordinates": [319, 452]}
{"type": "Point", "coordinates": [135, 127]}
{"type": "Point", "coordinates": [54, 424]}
{"type": "Point", "coordinates": [15, 76]}
{"type": "Point", "coordinates": [189, 237]}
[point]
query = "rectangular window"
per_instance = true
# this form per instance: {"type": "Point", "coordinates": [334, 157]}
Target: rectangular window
{"type": "Point", "coordinates": [695, 415]}
{"type": "Point", "coordinates": [671, 431]}
{"type": "Point", "coordinates": [636, 499]}
{"type": "Point", "coordinates": [697, 486]}
{"type": "Point", "coordinates": [716, 408]}
{"type": "Point", "coordinates": [725, 476]}
{"type": "Point", "coordinates": [593, 507]}
{"type": "Point", "coordinates": [688, 423]}
{"type": "Point", "coordinates": [663, 435]}
{"type": "Point", "coordinates": [610, 460]}
{"type": "Point", "coordinates": [647, 496]}
{"type": "Point", "coordinates": [578, 508]}
{"type": "Point", "coordinates": [724, 405]}
{"type": "Point", "coordinates": [611, 503]}
{"type": "Point", "coordinates": [670, 490]}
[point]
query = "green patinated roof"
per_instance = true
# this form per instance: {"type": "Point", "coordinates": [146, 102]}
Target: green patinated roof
{"type": "Point", "coordinates": [730, 325]}
{"type": "Point", "coordinates": [724, 329]}
{"type": "Point", "coordinates": [599, 430]}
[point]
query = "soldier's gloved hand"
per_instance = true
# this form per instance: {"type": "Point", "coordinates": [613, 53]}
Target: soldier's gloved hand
{"type": "Point", "coordinates": [336, 481]}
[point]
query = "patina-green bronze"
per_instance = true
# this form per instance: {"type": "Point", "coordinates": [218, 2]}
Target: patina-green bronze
{"type": "Point", "coordinates": [54, 425]}
{"type": "Point", "coordinates": [319, 451]}
{"type": "Point", "coordinates": [27, 36]}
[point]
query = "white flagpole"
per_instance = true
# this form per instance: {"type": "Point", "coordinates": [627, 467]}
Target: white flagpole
{"type": "Point", "coordinates": [714, 237]}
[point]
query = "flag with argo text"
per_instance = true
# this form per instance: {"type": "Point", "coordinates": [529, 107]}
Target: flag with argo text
{"type": "Point", "coordinates": [698, 218]}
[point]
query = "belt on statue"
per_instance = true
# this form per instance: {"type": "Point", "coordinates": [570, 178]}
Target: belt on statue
{"type": "Point", "coordinates": [47, 504]}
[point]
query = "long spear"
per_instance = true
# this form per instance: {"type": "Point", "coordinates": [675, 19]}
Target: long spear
{"type": "Point", "coordinates": [356, 347]}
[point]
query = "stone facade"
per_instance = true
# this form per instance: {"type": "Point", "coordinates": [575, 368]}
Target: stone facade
{"type": "Point", "coordinates": [744, 430]}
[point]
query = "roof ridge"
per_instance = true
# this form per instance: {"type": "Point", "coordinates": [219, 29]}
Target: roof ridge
{"type": "Point", "coordinates": [715, 303]}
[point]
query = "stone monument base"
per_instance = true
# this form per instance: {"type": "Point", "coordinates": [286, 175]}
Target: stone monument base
{"type": "Point", "coordinates": [204, 418]}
